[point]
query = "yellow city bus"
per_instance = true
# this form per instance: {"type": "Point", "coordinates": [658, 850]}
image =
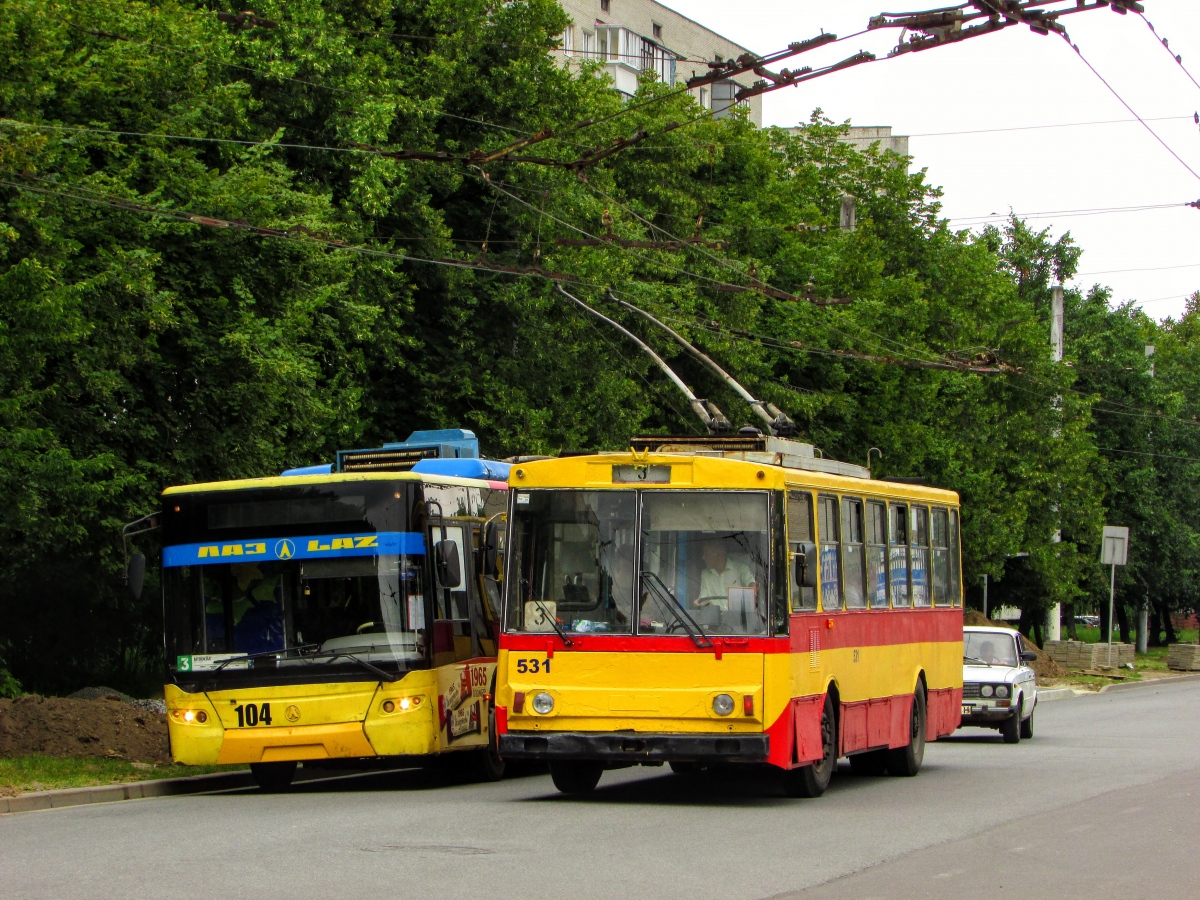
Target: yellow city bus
{"type": "Point", "coordinates": [338, 612]}
{"type": "Point", "coordinates": [702, 601]}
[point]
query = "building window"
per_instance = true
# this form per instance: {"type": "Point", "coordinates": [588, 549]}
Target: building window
{"type": "Point", "coordinates": [605, 5]}
{"type": "Point", "coordinates": [704, 98]}
{"type": "Point", "coordinates": [657, 31]}
{"type": "Point", "coordinates": [589, 44]}
{"type": "Point", "coordinates": [568, 40]}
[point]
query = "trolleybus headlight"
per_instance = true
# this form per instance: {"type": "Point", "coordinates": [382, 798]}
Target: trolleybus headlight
{"type": "Point", "coordinates": [985, 691]}
{"type": "Point", "coordinates": [190, 715]}
{"type": "Point", "coordinates": [1002, 690]}
{"type": "Point", "coordinates": [542, 703]}
{"type": "Point", "coordinates": [722, 704]}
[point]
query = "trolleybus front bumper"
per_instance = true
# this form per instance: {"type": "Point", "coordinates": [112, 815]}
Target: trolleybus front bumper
{"type": "Point", "coordinates": [635, 747]}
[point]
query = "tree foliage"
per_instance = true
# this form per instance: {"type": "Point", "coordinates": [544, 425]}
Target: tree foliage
{"type": "Point", "coordinates": [140, 350]}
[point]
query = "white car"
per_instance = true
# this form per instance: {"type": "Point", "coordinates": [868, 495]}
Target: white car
{"type": "Point", "coordinates": [999, 687]}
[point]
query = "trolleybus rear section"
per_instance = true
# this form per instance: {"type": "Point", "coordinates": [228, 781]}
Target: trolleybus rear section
{"type": "Point", "coordinates": [344, 611]}
{"type": "Point", "coordinates": [697, 605]}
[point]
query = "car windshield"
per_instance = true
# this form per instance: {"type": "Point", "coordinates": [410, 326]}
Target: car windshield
{"type": "Point", "coordinates": [708, 552]}
{"type": "Point", "coordinates": [989, 647]}
{"type": "Point", "coordinates": [327, 570]}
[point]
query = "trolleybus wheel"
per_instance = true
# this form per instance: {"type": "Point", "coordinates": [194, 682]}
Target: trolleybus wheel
{"type": "Point", "coordinates": [1027, 727]}
{"type": "Point", "coordinates": [576, 776]}
{"type": "Point", "coordinates": [1011, 729]}
{"type": "Point", "coordinates": [871, 763]}
{"type": "Point", "coordinates": [906, 761]}
{"type": "Point", "coordinates": [813, 779]}
{"type": "Point", "coordinates": [273, 776]}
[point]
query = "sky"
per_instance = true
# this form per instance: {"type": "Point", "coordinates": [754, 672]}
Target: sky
{"type": "Point", "coordinates": [1015, 79]}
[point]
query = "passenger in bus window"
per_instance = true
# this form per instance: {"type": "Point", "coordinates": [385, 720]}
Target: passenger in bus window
{"type": "Point", "coordinates": [721, 573]}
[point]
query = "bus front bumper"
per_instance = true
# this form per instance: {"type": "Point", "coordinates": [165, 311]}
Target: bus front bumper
{"type": "Point", "coordinates": [634, 747]}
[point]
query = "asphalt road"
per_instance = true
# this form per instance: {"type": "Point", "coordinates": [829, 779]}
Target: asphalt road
{"type": "Point", "coordinates": [1103, 802]}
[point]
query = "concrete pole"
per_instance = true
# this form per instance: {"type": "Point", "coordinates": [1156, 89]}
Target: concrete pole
{"type": "Point", "coordinates": [985, 581]}
{"type": "Point", "coordinates": [1054, 613]}
{"type": "Point", "coordinates": [1143, 638]}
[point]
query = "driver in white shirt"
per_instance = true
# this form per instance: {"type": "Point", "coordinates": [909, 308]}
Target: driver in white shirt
{"type": "Point", "coordinates": [720, 574]}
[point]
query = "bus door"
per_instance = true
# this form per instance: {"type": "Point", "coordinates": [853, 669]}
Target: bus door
{"type": "Point", "coordinates": [459, 624]}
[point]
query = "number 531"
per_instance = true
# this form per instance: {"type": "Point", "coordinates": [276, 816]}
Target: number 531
{"type": "Point", "coordinates": [533, 666]}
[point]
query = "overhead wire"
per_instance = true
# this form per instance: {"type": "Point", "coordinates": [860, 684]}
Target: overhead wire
{"type": "Point", "coordinates": [1166, 46]}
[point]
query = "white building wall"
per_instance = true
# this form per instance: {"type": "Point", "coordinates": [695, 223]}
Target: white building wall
{"type": "Point", "coordinates": [690, 42]}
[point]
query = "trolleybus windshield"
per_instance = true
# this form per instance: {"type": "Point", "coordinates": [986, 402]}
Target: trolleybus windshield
{"type": "Point", "coordinates": [293, 577]}
{"type": "Point", "coordinates": [697, 562]}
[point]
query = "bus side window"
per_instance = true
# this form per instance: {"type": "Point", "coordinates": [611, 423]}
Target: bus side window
{"type": "Point", "coordinates": [828, 521]}
{"type": "Point", "coordinates": [955, 561]}
{"type": "Point", "coordinates": [898, 541]}
{"type": "Point", "coordinates": [877, 555]}
{"type": "Point", "coordinates": [853, 572]}
{"type": "Point", "coordinates": [941, 557]}
{"type": "Point", "coordinates": [799, 524]}
{"type": "Point", "coordinates": [919, 553]}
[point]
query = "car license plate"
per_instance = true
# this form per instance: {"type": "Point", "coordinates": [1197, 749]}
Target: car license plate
{"type": "Point", "coordinates": [967, 709]}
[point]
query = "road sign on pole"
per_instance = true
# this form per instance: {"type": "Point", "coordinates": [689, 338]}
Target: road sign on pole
{"type": "Point", "coordinates": [1113, 552]}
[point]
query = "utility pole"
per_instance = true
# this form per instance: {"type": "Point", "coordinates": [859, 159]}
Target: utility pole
{"type": "Point", "coordinates": [1054, 614]}
{"type": "Point", "coordinates": [1143, 626]}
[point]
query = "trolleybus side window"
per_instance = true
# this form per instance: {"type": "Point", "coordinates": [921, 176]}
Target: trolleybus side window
{"type": "Point", "coordinates": [707, 552]}
{"type": "Point", "coordinates": [941, 557]}
{"type": "Point", "coordinates": [919, 554]}
{"type": "Point", "coordinates": [853, 572]}
{"type": "Point", "coordinates": [831, 582]}
{"type": "Point", "coordinates": [955, 561]}
{"type": "Point", "coordinates": [898, 550]}
{"type": "Point", "coordinates": [779, 563]}
{"type": "Point", "coordinates": [877, 555]}
{"type": "Point", "coordinates": [799, 524]}
{"type": "Point", "coordinates": [573, 561]}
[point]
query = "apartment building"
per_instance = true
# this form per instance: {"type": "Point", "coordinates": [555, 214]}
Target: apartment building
{"type": "Point", "coordinates": [633, 36]}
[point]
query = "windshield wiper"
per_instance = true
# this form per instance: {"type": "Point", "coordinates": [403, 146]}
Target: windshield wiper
{"type": "Point", "coordinates": [977, 659]}
{"type": "Point", "coordinates": [695, 632]}
{"type": "Point", "coordinates": [264, 653]}
{"type": "Point", "coordinates": [331, 655]}
{"type": "Point", "coordinates": [554, 623]}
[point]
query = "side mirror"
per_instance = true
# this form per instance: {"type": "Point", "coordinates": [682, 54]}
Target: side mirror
{"type": "Point", "coordinates": [491, 550]}
{"type": "Point", "coordinates": [805, 554]}
{"type": "Point", "coordinates": [449, 572]}
{"type": "Point", "coordinates": [135, 576]}
{"type": "Point", "coordinates": [1028, 656]}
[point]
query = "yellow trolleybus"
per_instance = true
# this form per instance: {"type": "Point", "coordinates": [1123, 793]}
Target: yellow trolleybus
{"type": "Point", "coordinates": [730, 599]}
{"type": "Point", "coordinates": [342, 611]}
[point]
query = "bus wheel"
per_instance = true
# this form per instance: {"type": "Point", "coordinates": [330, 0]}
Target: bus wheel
{"type": "Point", "coordinates": [576, 776]}
{"type": "Point", "coordinates": [273, 776]}
{"type": "Point", "coordinates": [871, 764]}
{"type": "Point", "coordinates": [907, 760]}
{"type": "Point", "coordinates": [813, 779]}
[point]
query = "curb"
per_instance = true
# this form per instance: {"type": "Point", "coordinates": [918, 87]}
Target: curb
{"type": "Point", "coordinates": [138, 790]}
{"type": "Point", "coordinates": [1067, 693]}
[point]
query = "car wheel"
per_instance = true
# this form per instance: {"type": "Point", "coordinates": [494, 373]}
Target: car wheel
{"type": "Point", "coordinates": [813, 779]}
{"type": "Point", "coordinates": [1011, 729]}
{"type": "Point", "coordinates": [1027, 727]}
{"type": "Point", "coordinates": [906, 761]}
{"type": "Point", "coordinates": [576, 776]}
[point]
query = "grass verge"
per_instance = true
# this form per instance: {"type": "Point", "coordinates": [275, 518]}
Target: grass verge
{"type": "Point", "coordinates": [26, 774]}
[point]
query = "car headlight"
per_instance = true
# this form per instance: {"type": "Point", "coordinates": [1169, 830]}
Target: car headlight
{"type": "Point", "coordinates": [1002, 690]}
{"type": "Point", "coordinates": [542, 703]}
{"type": "Point", "coordinates": [722, 704]}
{"type": "Point", "coordinates": [985, 691]}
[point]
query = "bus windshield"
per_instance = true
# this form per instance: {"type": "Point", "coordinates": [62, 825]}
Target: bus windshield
{"type": "Point", "coordinates": [699, 561]}
{"type": "Point", "coordinates": [296, 576]}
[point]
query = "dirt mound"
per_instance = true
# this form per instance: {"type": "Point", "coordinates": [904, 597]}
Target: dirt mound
{"type": "Point", "coordinates": [99, 693]}
{"type": "Point", "coordinates": [1043, 666]}
{"type": "Point", "coordinates": [60, 726]}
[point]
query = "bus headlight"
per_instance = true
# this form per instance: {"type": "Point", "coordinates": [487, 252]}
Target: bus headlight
{"type": "Point", "coordinates": [542, 703]}
{"type": "Point", "coordinates": [985, 691]}
{"type": "Point", "coordinates": [190, 716]}
{"type": "Point", "coordinates": [1002, 690]}
{"type": "Point", "coordinates": [722, 704]}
